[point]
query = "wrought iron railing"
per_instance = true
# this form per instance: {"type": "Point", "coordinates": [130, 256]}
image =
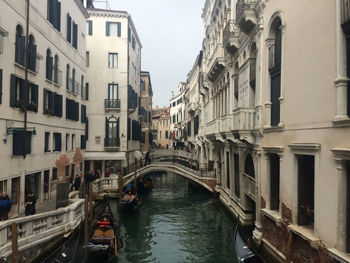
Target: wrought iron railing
{"type": "Point", "coordinates": [112, 142]}
{"type": "Point", "coordinates": [112, 104]}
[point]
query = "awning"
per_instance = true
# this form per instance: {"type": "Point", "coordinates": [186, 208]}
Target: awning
{"type": "Point", "coordinates": [3, 32]}
{"type": "Point", "coordinates": [107, 156]}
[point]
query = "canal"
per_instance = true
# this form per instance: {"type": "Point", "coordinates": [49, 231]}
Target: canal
{"type": "Point", "coordinates": [175, 223]}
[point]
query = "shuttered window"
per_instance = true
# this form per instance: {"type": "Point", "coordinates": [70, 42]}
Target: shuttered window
{"type": "Point", "coordinates": [21, 142]}
{"type": "Point", "coordinates": [83, 114]}
{"type": "Point", "coordinates": [113, 29]}
{"type": "Point", "coordinates": [89, 27]}
{"type": "Point", "coordinates": [47, 141]}
{"type": "Point", "coordinates": [82, 142]}
{"type": "Point", "coordinates": [75, 36]}
{"type": "Point", "coordinates": [0, 86]}
{"type": "Point", "coordinates": [17, 94]}
{"type": "Point", "coordinates": [72, 110]}
{"type": "Point", "coordinates": [57, 142]}
{"type": "Point", "coordinates": [87, 91]}
{"type": "Point", "coordinates": [69, 28]}
{"type": "Point", "coordinates": [54, 13]}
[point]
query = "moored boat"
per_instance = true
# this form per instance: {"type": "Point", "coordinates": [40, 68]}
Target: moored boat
{"type": "Point", "coordinates": [243, 251]}
{"type": "Point", "coordinates": [103, 237]}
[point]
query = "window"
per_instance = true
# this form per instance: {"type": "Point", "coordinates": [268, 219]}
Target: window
{"type": "Point", "coordinates": [57, 142]}
{"type": "Point", "coordinates": [133, 42]}
{"type": "Point", "coordinates": [83, 113]}
{"type": "Point", "coordinates": [73, 81]}
{"type": "Point", "coordinates": [54, 13]}
{"type": "Point", "coordinates": [57, 76]}
{"type": "Point", "coordinates": [113, 29]}
{"type": "Point", "coordinates": [17, 96]}
{"type": "Point", "coordinates": [274, 181]}
{"type": "Point", "coordinates": [0, 86]}
{"type": "Point", "coordinates": [275, 71]}
{"type": "Point", "coordinates": [166, 135]}
{"type": "Point", "coordinates": [54, 174]}
{"type": "Point", "coordinates": [72, 110]}
{"type": "Point", "coordinates": [69, 28]}
{"type": "Point", "coordinates": [112, 132]}
{"type": "Point", "coordinates": [237, 180]}
{"type": "Point", "coordinates": [73, 142]}
{"type": "Point", "coordinates": [129, 34]}
{"type": "Point", "coordinates": [89, 27]}
{"type": "Point", "coordinates": [75, 36]}
{"type": "Point", "coordinates": [82, 142]}
{"type": "Point", "coordinates": [52, 103]}
{"type": "Point", "coordinates": [68, 81]}
{"type": "Point", "coordinates": [306, 190]}
{"type": "Point", "coordinates": [113, 92]}
{"type": "Point", "coordinates": [160, 134]}
{"type": "Point", "coordinates": [143, 86]}
{"type": "Point", "coordinates": [22, 142]}
{"type": "Point", "coordinates": [49, 65]}
{"type": "Point", "coordinates": [143, 136]}
{"type": "Point", "coordinates": [67, 141]}
{"type": "Point", "coordinates": [112, 60]}
{"type": "Point", "coordinates": [47, 142]}
{"type": "Point", "coordinates": [228, 181]}
{"type": "Point", "coordinates": [196, 125]}
{"type": "Point", "coordinates": [189, 128]}
{"type": "Point", "coordinates": [87, 58]}
{"type": "Point", "coordinates": [174, 118]}
{"type": "Point", "coordinates": [86, 91]}
{"type": "Point", "coordinates": [19, 46]}
{"type": "Point", "coordinates": [32, 54]}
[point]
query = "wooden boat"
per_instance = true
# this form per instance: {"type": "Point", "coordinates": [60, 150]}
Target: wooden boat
{"type": "Point", "coordinates": [65, 253]}
{"type": "Point", "coordinates": [243, 252]}
{"type": "Point", "coordinates": [103, 237]}
{"type": "Point", "coordinates": [145, 185]}
{"type": "Point", "coordinates": [130, 199]}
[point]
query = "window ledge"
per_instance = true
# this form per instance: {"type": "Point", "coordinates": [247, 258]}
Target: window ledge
{"type": "Point", "coordinates": [273, 129]}
{"type": "Point", "coordinates": [306, 234]}
{"type": "Point", "coordinates": [23, 67]}
{"type": "Point", "coordinates": [341, 122]}
{"type": "Point", "coordinates": [273, 215]}
{"type": "Point", "coordinates": [338, 255]}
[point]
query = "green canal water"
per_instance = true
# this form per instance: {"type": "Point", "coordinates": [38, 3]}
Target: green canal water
{"type": "Point", "coordinates": [175, 224]}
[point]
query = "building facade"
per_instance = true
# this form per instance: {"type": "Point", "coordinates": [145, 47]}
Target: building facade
{"type": "Point", "coordinates": [146, 111]}
{"type": "Point", "coordinates": [177, 114]}
{"type": "Point", "coordinates": [113, 52]}
{"type": "Point", "coordinates": [161, 126]}
{"type": "Point", "coordinates": [42, 95]}
{"type": "Point", "coordinates": [281, 157]}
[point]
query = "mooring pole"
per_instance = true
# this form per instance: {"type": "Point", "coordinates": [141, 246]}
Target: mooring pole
{"type": "Point", "coordinates": [120, 187]}
{"type": "Point", "coordinates": [86, 229]}
{"type": "Point", "coordinates": [14, 243]}
{"type": "Point", "coordinates": [135, 177]}
{"type": "Point", "coordinates": [290, 247]}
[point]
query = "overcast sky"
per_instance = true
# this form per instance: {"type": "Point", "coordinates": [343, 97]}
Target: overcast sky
{"type": "Point", "coordinates": [171, 33]}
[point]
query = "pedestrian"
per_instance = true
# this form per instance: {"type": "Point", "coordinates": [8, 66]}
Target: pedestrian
{"type": "Point", "coordinates": [147, 159]}
{"type": "Point", "coordinates": [5, 206]}
{"type": "Point", "coordinates": [107, 173]}
{"type": "Point", "coordinates": [30, 204]}
{"type": "Point", "coordinates": [77, 182]}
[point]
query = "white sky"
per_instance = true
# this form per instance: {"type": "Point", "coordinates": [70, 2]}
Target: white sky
{"type": "Point", "coordinates": [171, 32]}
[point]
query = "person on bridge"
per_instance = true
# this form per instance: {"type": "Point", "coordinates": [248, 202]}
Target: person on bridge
{"type": "Point", "coordinates": [77, 182]}
{"type": "Point", "coordinates": [147, 159]}
{"type": "Point", "coordinates": [5, 206]}
{"type": "Point", "coordinates": [30, 204]}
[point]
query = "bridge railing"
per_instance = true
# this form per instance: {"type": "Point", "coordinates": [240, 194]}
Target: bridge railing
{"type": "Point", "coordinates": [37, 229]}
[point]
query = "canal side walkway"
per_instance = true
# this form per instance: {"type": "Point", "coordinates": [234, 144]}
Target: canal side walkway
{"type": "Point", "coordinates": [46, 206]}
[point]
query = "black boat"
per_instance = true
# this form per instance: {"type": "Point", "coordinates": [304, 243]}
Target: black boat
{"type": "Point", "coordinates": [145, 185]}
{"type": "Point", "coordinates": [66, 252]}
{"type": "Point", "coordinates": [129, 199]}
{"type": "Point", "coordinates": [243, 251]}
{"type": "Point", "coordinates": [103, 238]}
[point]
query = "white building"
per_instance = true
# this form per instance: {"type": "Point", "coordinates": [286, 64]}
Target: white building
{"type": "Point", "coordinates": [113, 51]}
{"type": "Point", "coordinates": [177, 113]}
{"type": "Point", "coordinates": [56, 94]}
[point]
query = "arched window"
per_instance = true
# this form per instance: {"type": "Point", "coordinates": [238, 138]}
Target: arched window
{"type": "Point", "coordinates": [68, 82]}
{"type": "Point", "coordinates": [275, 58]}
{"type": "Point", "coordinates": [236, 78]}
{"type": "Point", "coordinates": [82, 86]}
{"type": "Point", "coordinates": [249, 166]}
{"type": "Point", "coordinates": [73, 80]}
{"type": "Point", "coordinates": [31, 54]}
{"type": "Point", "coordinates": [55, 70]}
{"type": "Point", "coordinates": [20, 46]}
{"type": "Point", "coordinates": [252, 75]}
{"type": "Point", "coordinates": [112, 132]}
{"type": "Point", "coordinates": [49, 64]}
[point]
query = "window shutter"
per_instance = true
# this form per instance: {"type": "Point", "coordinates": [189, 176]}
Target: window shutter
{"type": "Point", "coordinates": [32, 58]}
{"type": "Point", "coordinates": [119, 29]}
{"type": "Point", "coordinates": [22, 89]}
{"type": "Point", "coordinates": [49, 64]}
{"type": "Point", "coordinates": [107, 29]}
{"type": "Point", "coordinates": [28, 142]}
{"type": "Point", "coordinates": [87, 129]}
{"type": "Point", "coordinates": [107, 124]}
{"type": "Point", "coordinates": [0, 86]}
{"type": "Point", "coordinates": [58, 16]}
{"type": "Point", "coordinates": [54, 13]}
{"type": "Point", "coordinates": [13, 91]}
{"type": "Point", "coordinates": [67, 108]}
{"type": "Point", "coordinates": [59, 105]}
{"type": "Point", "coordinates": [77, 111]}
{"type": "Point", "coordinates": [87, 91]}
{"type": "Point", "coordinates": [50, 9]}
{"type": "Point", "coordinates": [51, 102]}
{"type": "Point", "coordinates": [44, 99]}
{"type": "Point", "coordinates": [117, 129]}
{"type": "Point", "coordinates": [75, 35]}
{"type": "Point", "coordinates": [128, 131]}
{"type": "Point", "coordinates": [18, 143]}
{"type": "Point", "coordinates": [35, 95]}
{"type": "Point", "coordinates": [90, 28]}
{"type": "Point", "coordinates": [59, 142]}
{"type": "Point", "coordinates": [69, 28]}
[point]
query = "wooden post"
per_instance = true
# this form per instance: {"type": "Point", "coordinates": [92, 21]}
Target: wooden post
{"type": "Point", "coordinates": [86, 229]}
{"type": "Point", "coordinates": [14, 243]}
{"type": "Point", "coordinates": [91, 205]}
{"type": "Point", "coordinates": [120, 187]}
{"type": "Point", "coordinates": [290, 247]}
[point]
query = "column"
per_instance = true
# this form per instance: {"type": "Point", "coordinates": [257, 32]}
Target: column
{"type": "Point", "coordinates": [269, 43]}
{"type": "Point", "coordinates": [342, 213]}
{"type": "Point", "coordinates": [257, 233]}
{"type": "Point", "coordinates": [281, 98]}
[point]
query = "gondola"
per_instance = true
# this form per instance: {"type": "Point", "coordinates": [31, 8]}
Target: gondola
{"type": "Point", "coordinates": [145, 185]}
{"type": "Point", "coordinates": [243, 251]}
{"type": "Point", "coordinates": [66, 252]}
{"type": "Point", "coordinates": [103, 238]}
{"type": "Point", "coordinates": [130, 199]}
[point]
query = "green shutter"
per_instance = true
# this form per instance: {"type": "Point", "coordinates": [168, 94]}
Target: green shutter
{"type": "Point", "coordinates": [13, 91]}
{"type": "Point", "coordinates": [90, 28]}
{"type": "Point", "coordinates": [69, 28]}
{"type": "Point", "coordinates": [58, 16]}
{"type": "Point", "coordinates": [119, 29]}
{"type": "Point", "coordinates": [107, 29]}
{"type": "Point", "coordinates": [59, 105]}
{"type": "Point", "coordinates": [35, 95]}
{"type": "Point", "coordinates": [107, 124]}
{"type": "Point", "coordinates": [87, 91]}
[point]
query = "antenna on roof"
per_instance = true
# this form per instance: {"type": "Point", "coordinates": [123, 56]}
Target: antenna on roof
{"type": "Point", "coordinates": [103, 3]}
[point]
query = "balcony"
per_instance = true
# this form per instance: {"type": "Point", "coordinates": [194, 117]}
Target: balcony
{"type": "Point", "coordinates": [230, 37]}
{"type": "Point", "coordinates": [226, 123]}
{"type": "Point", "coordinates": [112, 144]}
{"type": "Point", "coordinates": [249, 186]}
{"type": "Point", "coordinates": [212, 127]}
{"type": "Point", "coordinates": [245, 15]}
{"type": "Point", "coordinates": [112, 104]}
{"type": "Point", "coordinates": [3, 33]}
{"type": "Point", "coordinates": [217, 63]}
{"type": "Point", "coordinates": [244, 119]}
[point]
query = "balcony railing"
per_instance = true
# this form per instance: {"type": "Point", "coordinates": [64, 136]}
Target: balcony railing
{"type": "Point", "coordinates": [245, 14]}
{"type": "Point", "coordinates": [345, 11]}
{"type": "Point", "coordinates": [112, 142]}
{"type": "Point", "coordinates": [244, 119]}
{"type": "Point", "coordinates": [57, 77]}
{"type": "Point", "coordinates": [112, 104]}
{"type": "Point", "coordinates": [230, 38]}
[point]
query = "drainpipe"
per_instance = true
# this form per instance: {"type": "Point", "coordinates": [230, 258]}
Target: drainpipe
{"type": "Point", "coordinates": [26, 62]}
